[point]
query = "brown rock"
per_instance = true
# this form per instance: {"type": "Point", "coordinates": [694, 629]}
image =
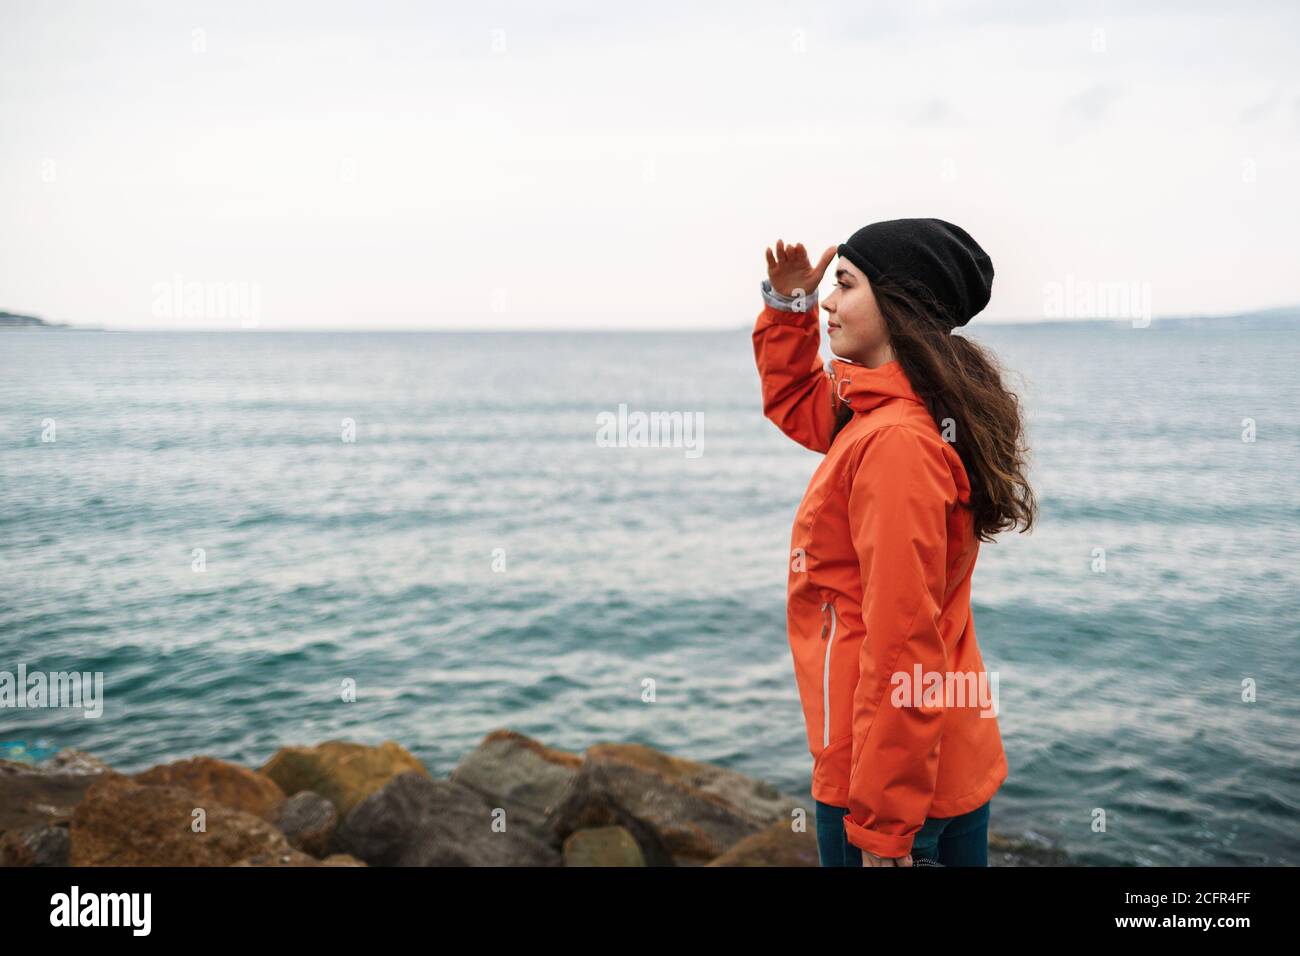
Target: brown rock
{"type": "Point", "coordinates": [293, 857]}
{"type": "Point", "coordinates": [602, 846]}
{"type": "Point", "coordinates": [124, 823]}
{"type": "Point", "coordinates": [343, 773]}
{"type": "Point", "coordinates": [216, 781]}
{"type": "Point", "coordinates": [775, 845]}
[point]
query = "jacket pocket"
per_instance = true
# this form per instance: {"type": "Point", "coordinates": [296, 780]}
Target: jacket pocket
{"type": "Point", "coordinates": [829, 623]}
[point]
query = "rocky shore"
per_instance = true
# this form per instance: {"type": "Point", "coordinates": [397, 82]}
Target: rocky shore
{"type": "Point", "coordinates": [512, 801]}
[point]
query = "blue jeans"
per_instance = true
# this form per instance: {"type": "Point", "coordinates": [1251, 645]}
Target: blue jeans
{"type": "Point", "coordinates": [952, 841]}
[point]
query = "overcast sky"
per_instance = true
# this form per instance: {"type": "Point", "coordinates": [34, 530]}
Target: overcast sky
{"type": "Point", "coordinates": [488, 165]}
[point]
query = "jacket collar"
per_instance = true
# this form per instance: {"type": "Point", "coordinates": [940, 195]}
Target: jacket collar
{"type": "Point", "coordinates": [866, 388]}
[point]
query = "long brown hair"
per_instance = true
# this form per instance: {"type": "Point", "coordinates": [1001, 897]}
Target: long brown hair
{"type": "Point", "coordinates": [961, 381]}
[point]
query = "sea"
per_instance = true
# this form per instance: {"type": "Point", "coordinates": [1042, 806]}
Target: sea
{"type": "Point", "coordinates": [261, 539]}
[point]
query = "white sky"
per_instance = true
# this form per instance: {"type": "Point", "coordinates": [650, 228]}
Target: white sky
{"type": "Point", "coordinates": [381, 165]}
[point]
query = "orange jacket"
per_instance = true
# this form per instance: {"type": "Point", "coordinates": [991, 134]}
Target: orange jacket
{"type": "Point", "coordinates": [878, 608]}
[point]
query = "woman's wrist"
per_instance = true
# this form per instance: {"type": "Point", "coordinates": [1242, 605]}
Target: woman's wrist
{"type": "Point", "coordinates": [787, 303]}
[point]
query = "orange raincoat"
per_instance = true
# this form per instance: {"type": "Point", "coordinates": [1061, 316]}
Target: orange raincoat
{"type": "Point", "coordinates": [879, 596]}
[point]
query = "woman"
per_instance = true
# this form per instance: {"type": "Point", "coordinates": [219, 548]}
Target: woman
{"type": "Point", "coordinates": [924, 459]}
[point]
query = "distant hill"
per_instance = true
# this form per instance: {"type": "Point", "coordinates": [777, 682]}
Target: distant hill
{"type": "Point", "coordinates": [12, 320]}
{"type": "Point", "coordinates": [1286, 317]}
{"type": "Point", "coordinates": [1282, 317]}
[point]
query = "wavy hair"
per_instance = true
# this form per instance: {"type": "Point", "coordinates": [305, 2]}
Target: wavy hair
{"type": "Point", "coordinates": [961, 380]}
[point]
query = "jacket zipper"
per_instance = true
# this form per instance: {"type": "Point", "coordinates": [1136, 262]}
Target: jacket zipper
{"type": "Point", "coordinates": [826, 673]}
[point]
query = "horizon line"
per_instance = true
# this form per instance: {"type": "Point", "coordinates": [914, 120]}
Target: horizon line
{"type": "Point", "coordinates": [498, 330]}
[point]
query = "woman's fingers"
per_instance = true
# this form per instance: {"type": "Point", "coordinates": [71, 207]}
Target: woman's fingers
{"type": "Point", "coordinates": [795, 256]}
{"type": "Point", "coordinates": [870, 859]}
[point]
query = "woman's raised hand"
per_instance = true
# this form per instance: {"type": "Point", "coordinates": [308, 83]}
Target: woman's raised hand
{"type": "Point", "coordinates": [791, 273]}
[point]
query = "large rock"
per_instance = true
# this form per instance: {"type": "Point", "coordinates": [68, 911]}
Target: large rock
{"type": "Point", "coordinates": [37, 846]}
{"type": "Point", "coordinates": [681, 812]}
{"type": "Point", "coordinates": [120, 822]}
{"type": "Point", "coordinates": [520, 775]}
{"type": "Point", "coordinates": [343, 773]}
{"type": "Point", "coordinates": [217, 781]}
{"type": "Point", "coordinates": [775, 845]}
{"type": "Point", "coordinates": [37, 802]}
{"type": "Point", "coordinates": [33, 797]}
{"type": "Point", "coordinates": [308, 821]}
{"type": "Point", "coordinates": [602, 846]}
{"type": "Point", "coordinates": [416, 821]}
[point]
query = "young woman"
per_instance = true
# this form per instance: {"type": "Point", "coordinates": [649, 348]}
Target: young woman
{"type": "Point", "coordinates": [925, 458]}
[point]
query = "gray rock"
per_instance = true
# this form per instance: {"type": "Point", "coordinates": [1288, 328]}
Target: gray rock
{"type": "Point", "coordinates": [416, 821]}
{"type": "Point", "coordinates": [33, 797]}
{"type": "Point", "coordinates": [39, 846]}
{"type": "Point", "coordinates": [37, 802]}
{"type": "Point", "coordinates": [681, 812]}
{"type": "Point", "coordinates": [49, 846]}
{"type": "Point", "coordinates": [307, 820]}
{"type": "Point", "coordinates": [521, 775]}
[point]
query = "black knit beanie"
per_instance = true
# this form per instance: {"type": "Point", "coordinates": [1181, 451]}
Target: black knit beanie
{"type": "Point", "coordinates": [938, 255]}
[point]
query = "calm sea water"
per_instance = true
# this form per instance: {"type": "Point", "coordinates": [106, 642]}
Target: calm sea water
{"type": "Point", "coordinates": [373, 561]}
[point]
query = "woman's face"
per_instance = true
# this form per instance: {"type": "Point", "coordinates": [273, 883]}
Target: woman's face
{"type": "Point", "coordinates": [855, 326]}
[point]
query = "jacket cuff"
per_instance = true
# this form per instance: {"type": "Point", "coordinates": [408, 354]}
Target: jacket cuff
{"type": "Point", "coordinates": [873, 841]}
{"type": "Point", "coordinates": [786, 303]}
